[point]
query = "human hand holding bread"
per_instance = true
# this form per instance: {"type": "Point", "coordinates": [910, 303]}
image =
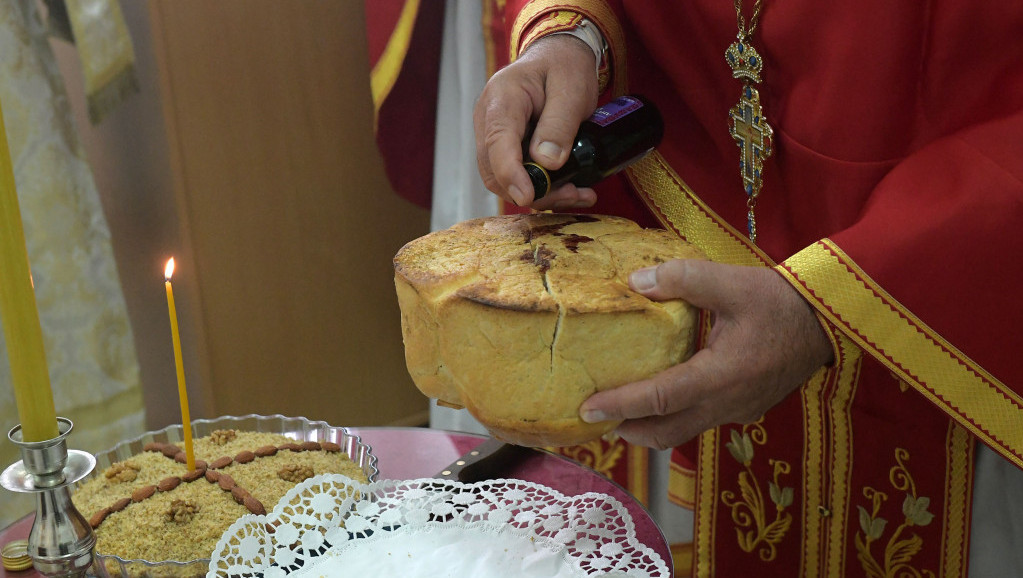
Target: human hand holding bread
{"type": "Point", "coordinates": [552, 84]}
{"type": "Point", "coordinates": [555, 329]}
{"type": "Point", "coordinates": [765, 341]}
{"type": "Point", "coordinates": [520, 318]}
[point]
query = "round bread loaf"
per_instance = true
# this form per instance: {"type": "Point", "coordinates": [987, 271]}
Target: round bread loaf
{"type": "Point", "coordinates": [520, 318]}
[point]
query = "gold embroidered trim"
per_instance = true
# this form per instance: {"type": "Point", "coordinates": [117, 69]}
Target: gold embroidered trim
{"type": "Point", "coordinates": [815, 462]}
{"type": "Point", "coordinates": [682, 486]}
{"type": "Point", "coordinates": [682, 559]}
{"type": "Point", "coordinates": [902, 544]}
{"type": "Point", "coordinates": [913, 351]}
{"type": "Point", "coordinates": [638, 471]}
{"type": "Point", "coordinates": [958, 490]}
{"type": "Point", "coordinates": [679, 210]}
{"type": "Point", "coordinates": [490, 9]}
{"type": "Point", "coordinates": [755, 531]}
{"type": "Point", "coordinates": [849, 362]}
{"type": "Point", "coordinates": [597, 454]}
{"type": "Point", "coordinates": [605, 454]}
{"type": "Point", "coordinates": [555, 21]}
{"type": "Point", "coordinates": [706, 504]}
{"type": "Point", "coordinates": [598, 12]}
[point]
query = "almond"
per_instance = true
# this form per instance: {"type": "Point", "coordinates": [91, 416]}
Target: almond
{"type": "Point", "coordinates": [193, 475]}
{"type": "Point", "coordinates": [239, 494]}
{"type": "Point", "coordinates": [311, 446]}
{"type": "Point", "coordinates": [142, 493]}
{"type": "Point", "coordinates": [330, 447]}
{"type": "Point", "coordinates": [120, 504]}
{"type": "Point", "coordinates": [212, 476]}
{"type": "Point", "coordinates": [292, 447]}
{"type": "Point", "coordinates": [168, 484]}
{"type": "Point", "coordinates": [181, 457]}
{"type": "Point", "coordinates": [244, 457]}
{"type": "Point", "coordinates": [170, 450]}
{"type": "Point", "coordinates": [266, 451]}
{"type": "Point", "coordinates": [153, 447]}
{"type": "Point", "coordinates": [226, 482]}
{"type": "Point", "coordinates": [96, 519]}
{"type": "Point", "coordinates": [221, 463]}
{"type": "Point", "coordinates": [254, 506]}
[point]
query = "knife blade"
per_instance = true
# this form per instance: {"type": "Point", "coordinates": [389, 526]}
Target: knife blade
{"type": "Point", "coordinates": [485, 462]}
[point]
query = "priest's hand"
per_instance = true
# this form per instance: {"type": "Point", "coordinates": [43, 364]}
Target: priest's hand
{"type": "Point", "coordinates": [764, 342]}
{"type": "Point", "coordinates": [554, 84]}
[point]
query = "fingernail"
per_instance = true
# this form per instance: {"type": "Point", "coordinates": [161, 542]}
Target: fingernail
{"type": "Point", "coordinates": [517, 195]}
{"type": "Point", "coordinates": [549, 150]}
{"type": "Point", "coordinates": [644, 279]}
{"type": "Point", "coordinates": [593, 416]}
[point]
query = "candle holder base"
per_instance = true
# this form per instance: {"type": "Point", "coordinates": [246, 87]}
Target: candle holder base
{"type": "Point", "coordinates": [61, 541]}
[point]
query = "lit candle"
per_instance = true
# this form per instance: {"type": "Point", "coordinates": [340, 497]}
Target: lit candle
{"type": "Point", "coordinates": [29, 375]}
{"type": "Point", "coordinates": [186, 420]}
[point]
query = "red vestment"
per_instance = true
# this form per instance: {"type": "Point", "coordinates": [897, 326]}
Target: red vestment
{"type": "Point", "coordinates": [891, 202]}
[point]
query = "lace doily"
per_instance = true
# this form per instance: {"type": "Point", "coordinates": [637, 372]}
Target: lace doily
{"type": "Point", "coordinates": [330, 525]}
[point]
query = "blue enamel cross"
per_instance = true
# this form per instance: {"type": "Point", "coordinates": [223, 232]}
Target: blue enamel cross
{"type": "Point", "coordinates": [753, 135]}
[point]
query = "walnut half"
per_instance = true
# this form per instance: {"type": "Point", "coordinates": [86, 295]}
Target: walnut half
{"type": "Point", "coordinates": [295, 473]}
{"type": "Point", "coordinates": [222, 436]}
{"type": "Point", "coordinates": [122, 472]}
{"type": "Point", "coordinates": [182, 511]}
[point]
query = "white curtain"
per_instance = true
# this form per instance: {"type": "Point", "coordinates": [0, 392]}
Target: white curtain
{"type": "Point", "coordinates": [458, 191]}
{"type": "Point", "coordinates": [89, 348]}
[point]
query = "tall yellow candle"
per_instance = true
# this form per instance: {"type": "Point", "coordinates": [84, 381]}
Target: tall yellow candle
{"type": "Point", "coordinates": [186, 420]}
{"type": "Point", "coordinates": [29, 375]}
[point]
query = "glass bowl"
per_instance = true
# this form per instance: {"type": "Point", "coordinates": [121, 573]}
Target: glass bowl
{"type": "Point", "coordinates": [297, 428]}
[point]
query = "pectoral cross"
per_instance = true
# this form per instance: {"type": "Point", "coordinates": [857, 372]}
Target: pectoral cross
{"type": "Point", "coordinates": [753, 135]}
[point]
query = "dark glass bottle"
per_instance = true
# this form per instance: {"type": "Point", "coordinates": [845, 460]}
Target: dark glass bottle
{"type": "Point", "coordinates": [616, 135]}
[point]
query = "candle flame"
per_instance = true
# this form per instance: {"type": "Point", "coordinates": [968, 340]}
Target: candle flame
{"type": "Point", "coordinates": [169, 270]}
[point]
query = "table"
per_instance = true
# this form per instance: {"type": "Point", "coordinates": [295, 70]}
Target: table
{"type": "Point", "coordinates": [408, 453]}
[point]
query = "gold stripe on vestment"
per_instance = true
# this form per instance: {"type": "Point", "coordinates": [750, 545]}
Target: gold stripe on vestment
{"type": "Point", "coordinates": [854, 307]}
{"type": "Point", "coordinates": [682, 486]}
{"type": "Point", "coordinates": [848, 363]}
{"type": "Point", "coordinates": [814, 465]}
{"type": "Point", "coordinates": [958, 490]}
{"type": "Point", "coordinates": [388, 67]}
{"type": "Point", "coordinates": [678, 209]}
{"type": "Point", "coordinates": [638, 472]}
{"type": "Point", "coordinates": [706, 503]}
{"type": "Point", "coordinates": [849, 299]}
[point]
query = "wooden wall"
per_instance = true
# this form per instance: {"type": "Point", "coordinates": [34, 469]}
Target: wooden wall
{"type": "Point", "coordinates": [287, 223]}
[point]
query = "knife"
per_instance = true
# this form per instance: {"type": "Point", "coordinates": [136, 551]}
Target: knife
{"type": "Point", "coordinates": [485, 462]}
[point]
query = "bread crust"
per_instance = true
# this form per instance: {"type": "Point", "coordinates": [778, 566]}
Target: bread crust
{"type": "Point", "coordinates": [520, 318]}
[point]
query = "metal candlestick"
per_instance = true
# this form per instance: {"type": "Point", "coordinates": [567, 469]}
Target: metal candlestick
{"type": "Point", "coordinates": [61, 540]}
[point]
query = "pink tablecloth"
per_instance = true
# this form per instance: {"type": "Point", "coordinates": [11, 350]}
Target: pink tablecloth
{"type": "Point", "coordinates": [406, 453]}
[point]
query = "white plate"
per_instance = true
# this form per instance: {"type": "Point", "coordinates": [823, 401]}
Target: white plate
{"type": "Point", "coordinates": [332, 526]}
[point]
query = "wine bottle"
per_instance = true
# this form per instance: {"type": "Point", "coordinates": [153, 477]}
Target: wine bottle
{"type": "Point", "coordinates": [616, 135]}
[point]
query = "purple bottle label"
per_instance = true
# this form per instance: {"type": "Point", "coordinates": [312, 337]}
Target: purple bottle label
{"type": "Point", "coordinates": [615, 110]}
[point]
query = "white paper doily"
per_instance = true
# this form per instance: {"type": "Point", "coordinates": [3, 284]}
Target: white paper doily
{"type": "Point", "coordinates": [330, 525]}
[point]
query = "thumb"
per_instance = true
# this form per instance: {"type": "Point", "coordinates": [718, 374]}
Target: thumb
{"type": "Point", "coordinates": [703, 284]}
